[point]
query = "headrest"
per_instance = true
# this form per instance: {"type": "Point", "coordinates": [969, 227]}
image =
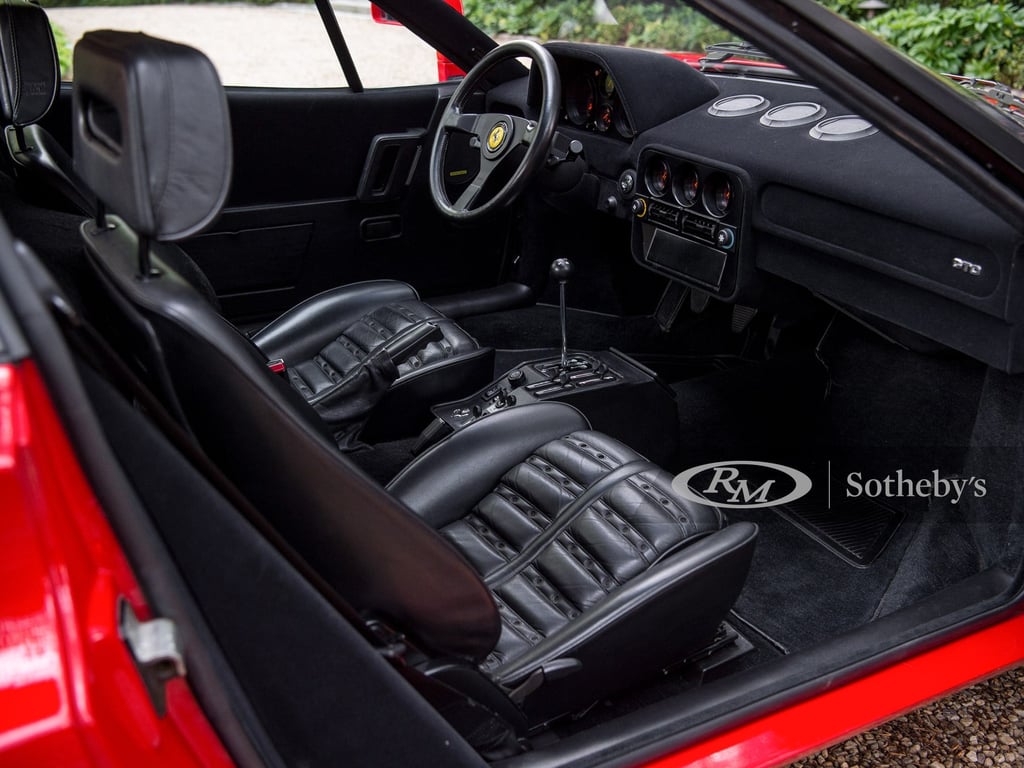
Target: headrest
{"type": "Point", "coordinates": [28, 60]}
{"type": "Point", "coordinates": [152, 136]}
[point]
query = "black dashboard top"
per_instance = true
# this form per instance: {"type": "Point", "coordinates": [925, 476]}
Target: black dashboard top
{"type": "Point", "coordinates": [734, 183]}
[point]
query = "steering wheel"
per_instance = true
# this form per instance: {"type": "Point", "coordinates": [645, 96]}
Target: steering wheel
{"type": "Point", "coordinates": [496, 135]}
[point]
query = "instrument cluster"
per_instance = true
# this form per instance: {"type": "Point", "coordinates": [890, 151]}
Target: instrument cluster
{"type": "Point", "coordinates": [688, 186]}
{"type": "Point", "coordinates": [591, 101]}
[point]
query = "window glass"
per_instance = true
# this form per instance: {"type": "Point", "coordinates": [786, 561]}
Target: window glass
{"type": "Point", "coordinates": [387, 54]}
{"type": "Point", "coordinates": [258, 44]}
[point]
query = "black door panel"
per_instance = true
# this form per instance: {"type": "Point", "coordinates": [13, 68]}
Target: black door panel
{"type": "Point", "coordinates": [296, 223]}
{"type": "Point", "coordinates": [311, 144]}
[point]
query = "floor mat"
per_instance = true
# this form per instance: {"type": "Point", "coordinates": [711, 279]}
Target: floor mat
{"type": "Point", "coordinates": [857, 530]}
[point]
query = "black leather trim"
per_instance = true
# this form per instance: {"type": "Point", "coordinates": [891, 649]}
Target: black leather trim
{"type": "Point", "coordinates": [658, 618]}
{"type": "Point", "coordinates": [690, 563]}
{"type": "Point", "coordinates": [152, 135]}
{"type": "Point", "coordinates": [477, 456]}
{"type": "Point", "coordinates": [564, 519]}
{"type": "Point", "coordinates": [40, 155]}
{"type": "Point", "coordinates": [29, 68]}
{"type": "Point", "coordinates": [304, 329]}
{"type": "Point", "coordinates": [484, 301]}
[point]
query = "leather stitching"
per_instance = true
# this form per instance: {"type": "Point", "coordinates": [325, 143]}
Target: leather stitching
{"type": "Point", "coordinates": [515, 622]}
{"type": "Point", "coordinates": [564, 518]}
{"type": "Point", "coordinates": [589, 562]}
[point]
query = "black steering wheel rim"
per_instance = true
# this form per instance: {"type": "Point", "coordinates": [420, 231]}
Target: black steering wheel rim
{"type": "Point", "coordinates": [497, 134]}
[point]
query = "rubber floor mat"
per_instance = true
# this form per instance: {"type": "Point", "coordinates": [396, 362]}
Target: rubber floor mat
{"type": "Point", "coordinates": [857, 530]}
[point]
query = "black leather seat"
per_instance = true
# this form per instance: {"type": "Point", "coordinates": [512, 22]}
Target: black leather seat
{"type": "Point", "coordinates": [328, 340]}
{"type": "Point", "coordinates": [29, 82]}
{"type": "Point", "coordinates": [534, 564]}
{"type": "Point", "coordinates": [343, 350]}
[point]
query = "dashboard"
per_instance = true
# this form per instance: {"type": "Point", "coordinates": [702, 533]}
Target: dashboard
{"type": "Point", "coordinates": [742, 188]}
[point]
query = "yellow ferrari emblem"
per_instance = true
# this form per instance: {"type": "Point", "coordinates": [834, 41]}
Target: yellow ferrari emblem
{"type": "Point", "coordinates": [496, 137]}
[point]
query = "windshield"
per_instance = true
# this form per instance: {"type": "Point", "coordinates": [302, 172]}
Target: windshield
{"type": "Point", "coordinates": [974, 38]}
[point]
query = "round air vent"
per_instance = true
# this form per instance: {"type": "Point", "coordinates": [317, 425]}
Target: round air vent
{"type": "Point", "coordinates": [843, 128]}
{"type": "Point", "coordinates": [789, 115]}
{"type": "Point", "coordinates": [737, 106]}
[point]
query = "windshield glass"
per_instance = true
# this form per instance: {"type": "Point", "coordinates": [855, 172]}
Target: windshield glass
{"type": "Point", "coordinates": [975, 38]}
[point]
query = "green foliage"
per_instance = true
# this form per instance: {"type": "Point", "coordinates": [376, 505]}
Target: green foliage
{"type": "Point", "coordinates": [657, 24]}
{"type": "Point", "coordinates": [63, 50]}
{"type": "Point", "coordinates": [982, 40]}
{"type": "Point", "coordinates": [973, 37]}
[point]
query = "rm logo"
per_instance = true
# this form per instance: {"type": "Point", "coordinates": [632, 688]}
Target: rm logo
{"type": "Point", "coordinates": [742, 484]}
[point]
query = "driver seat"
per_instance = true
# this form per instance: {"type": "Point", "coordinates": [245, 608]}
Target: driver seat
{"type": "Point", "coordinates": [343, 351]}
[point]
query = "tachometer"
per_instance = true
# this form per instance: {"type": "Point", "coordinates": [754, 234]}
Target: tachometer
{"type": "Point", "coordinates": [579, 101]}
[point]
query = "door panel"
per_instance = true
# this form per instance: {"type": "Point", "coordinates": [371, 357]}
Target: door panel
{"type": "Point", "coordinates": [295, 222]}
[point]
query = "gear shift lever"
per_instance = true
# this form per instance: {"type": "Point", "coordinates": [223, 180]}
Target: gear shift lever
{"type": "Point", "coordinates": [561, 270]}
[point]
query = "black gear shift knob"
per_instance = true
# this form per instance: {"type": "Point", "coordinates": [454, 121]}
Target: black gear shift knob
{"type": "Point", "coordinates": [561, 270]}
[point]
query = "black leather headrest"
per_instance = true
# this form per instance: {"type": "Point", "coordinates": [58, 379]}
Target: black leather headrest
{"type": "Point", "coordinates": [152, 135]}
{"type": "Point", "coordinates": [28, 60]}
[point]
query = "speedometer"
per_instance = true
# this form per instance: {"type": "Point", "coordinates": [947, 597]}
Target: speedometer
{"type": "Point", "coordinates": [579, 101]}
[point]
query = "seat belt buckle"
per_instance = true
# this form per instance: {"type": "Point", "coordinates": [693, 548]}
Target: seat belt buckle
{"type": "Point", "coordinates": [277, 365]}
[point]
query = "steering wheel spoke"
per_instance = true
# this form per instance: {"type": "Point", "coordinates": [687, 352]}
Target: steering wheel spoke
{"type": "Point", "coordinates": [525, 131]}
{"type": "Point", "coordinates": [460, 122]}
{"type": "Point", "coordinates": [472, 192]}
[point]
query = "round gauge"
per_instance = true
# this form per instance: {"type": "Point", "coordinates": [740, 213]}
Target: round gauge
{"type": "Point", "coordinates": [604, 118]}
{"type": "Point", "coordinates": [622, 124]}
{"type": "Point", "coordinates": [658, 177]}
{"type": "Point", "coordinates": [718, 195]}
{"type": "Point", "coordinates": [579, 101]}
{"type": "Point", "coordinates": [607, 85]}
{"type": "Point", "coordinates": [686, 186]}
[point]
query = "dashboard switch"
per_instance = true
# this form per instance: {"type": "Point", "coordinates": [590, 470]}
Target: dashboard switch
{"type": "Point", "coordinates": [725, 239]}
{"type": "Point", "coordinates": [627, 182]}
{"type": "Point", "coordinates": [639, 207]}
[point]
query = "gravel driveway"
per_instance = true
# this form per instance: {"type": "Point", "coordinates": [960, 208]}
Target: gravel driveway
{"type": "Point", "coordinates": [277, 45]}
{"type": "Point", "coordinates": [983, 725]}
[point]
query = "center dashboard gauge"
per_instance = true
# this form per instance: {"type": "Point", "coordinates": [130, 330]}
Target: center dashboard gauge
{"type": "Point", "coordinates": [718, 195]}
{"type": "Point", "coordinates": [579, 101]}
{"type": "Point", "coordinates": [686, 186]}
{"type": "Point", "coordinates": [605, 117]}
{"type": "Point", "coordinates": [658, 177]}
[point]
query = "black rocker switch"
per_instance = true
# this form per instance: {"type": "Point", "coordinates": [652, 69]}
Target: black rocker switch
{"type": "Point", "coordinates": [561, 270]}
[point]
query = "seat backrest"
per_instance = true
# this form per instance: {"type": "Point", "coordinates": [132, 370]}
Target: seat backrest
{"type": "Point", "coordinates": [29, 83]}
{"type": "Point", "coordinates": [161, 161]}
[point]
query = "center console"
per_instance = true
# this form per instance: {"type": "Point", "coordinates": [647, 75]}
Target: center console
{"type": "Point", "coordinates": [618, 395]}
